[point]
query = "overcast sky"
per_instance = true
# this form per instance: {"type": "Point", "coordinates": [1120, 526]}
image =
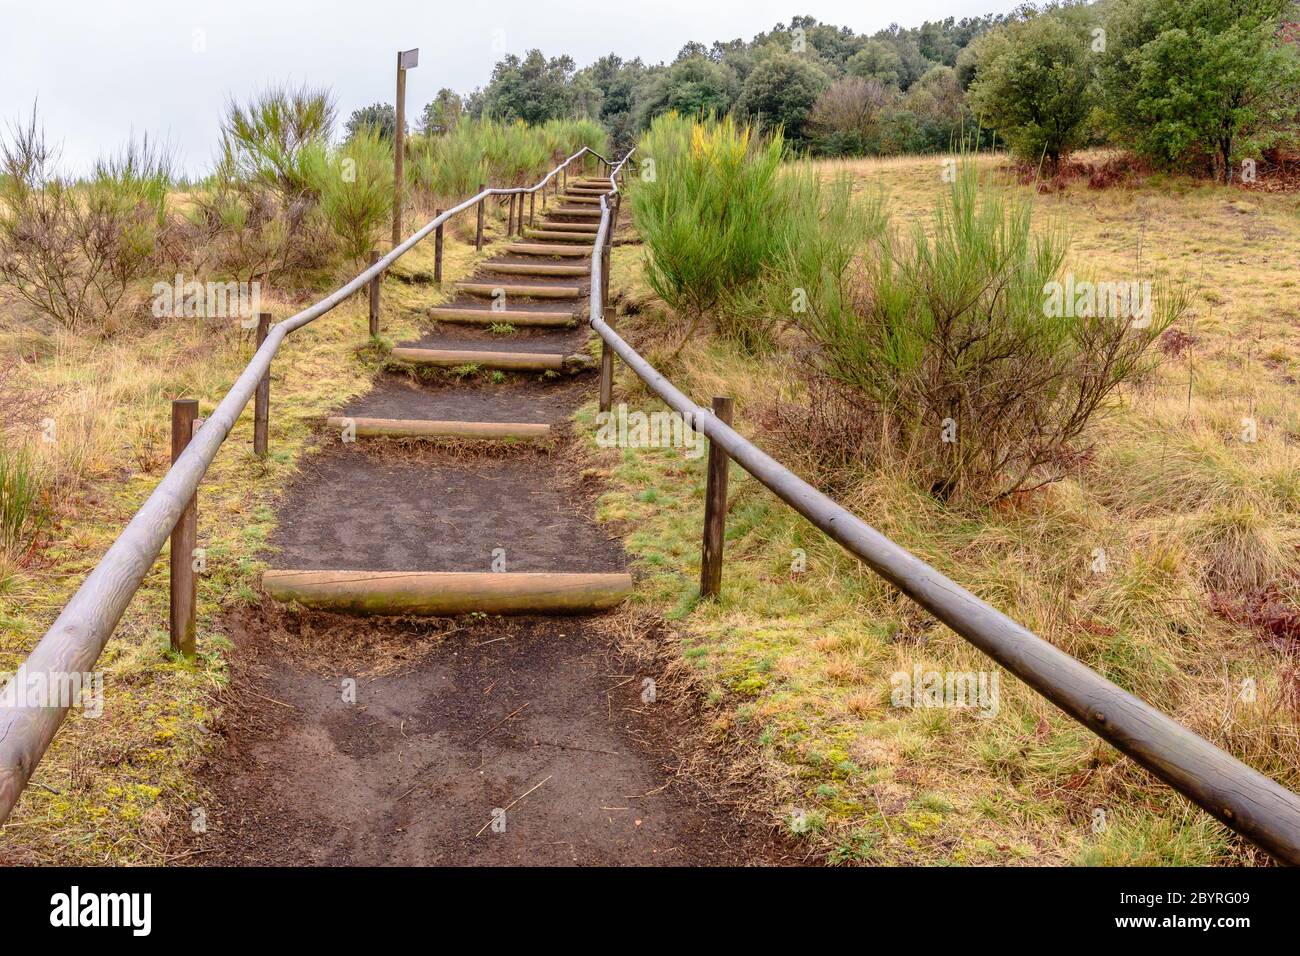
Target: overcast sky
{"type": "Point", "coordinates": [104, 70]}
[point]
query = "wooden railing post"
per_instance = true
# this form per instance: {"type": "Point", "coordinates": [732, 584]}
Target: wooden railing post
{"type": "Point", "coordinates": [532, 209]}
{"type": "Point", "coordinates": [374, 297]}
{"type": "Point", "coordinates": [510, 218]}
{"type": "Point", "coordinates": [478, 235]}
{"type": "Point", "coordinates": [262, 397]}
{"type": "Point", "coordinates": [715, 509]}
{"type": "Point", "coordinates": [606, 377]}
{"type": "Point", "coordinates": [184, 540]}
{"type": "Point", "coordinates": [437, 250]}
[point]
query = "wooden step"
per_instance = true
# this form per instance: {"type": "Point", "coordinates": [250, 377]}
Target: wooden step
{"type": "Point", "coordinates": [558, 235]}
{"type": "Point", "coordinates": [521, 291]}
{"type": "Point", "coordinates": [509, 361]}
{"type": "Point", "coordinates": [544, 249]}
{"type": "Point", "coordinates": [517, 317]}
{"type": "Point", "coordinates": [587, 228]}
{"type": "Point", "coordinates": [581, 212]}
{"type": "Point", "coordinates": [430, 428]}
{"type": "Point", "coordinates": [583, 200]}
{"type": "Point", "coordinates": [536, 269]}
{"type": "Point", "coordinates": [448, 592]}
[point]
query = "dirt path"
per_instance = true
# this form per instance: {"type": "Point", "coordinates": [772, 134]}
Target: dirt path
{"type": "Point", "coordinates": [479, 741]}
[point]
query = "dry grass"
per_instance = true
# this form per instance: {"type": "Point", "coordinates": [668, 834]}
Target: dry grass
{"type": "Point", "coordinates": [1187, 514]}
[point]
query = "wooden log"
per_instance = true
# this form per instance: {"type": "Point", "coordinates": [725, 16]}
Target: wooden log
{"type": "Point", "coordinates": [262, 397]}
{"type": "Point", "coordinates": [580, 212]}
{"type": "Point", "coordinates": [606, 377]}
{"type": "Point", "coordinates": [437, 250]}
{"type": "Point", "coordinates": [521, 291]}
{"type": "Point", "coordinates": [183, 602]}
{"type": "Point", "coordinates": [532, 208]}
{"type": "Point", "coordinates": [448, 592]}
{"type": "Point", "coordinates": [374, 297]}
{"type": "Point", "coordinates": [512, 361]}
{"type": "Point", "coordinates": [558, 235]}
{"type": "Point", "coordinates": [478, 232]}
{"type": "Point", "coordinates": [535, 269]}
{"type": "Point", "coordinates": [583, 200]}
{"type": "Point", "coordinates": [587, 228]}
{"type": "Point", "coordinates": [430, 428]}
{"type": "Point", "coordinates": [545, 249]}
{"type": "Point", "coordinates": [463, 316]}
{"type": "Point", "coordinates": [715, 509]}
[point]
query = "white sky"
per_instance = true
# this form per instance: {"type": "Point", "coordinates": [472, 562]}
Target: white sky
{"type": "Point", "coordinates": [104, 70]}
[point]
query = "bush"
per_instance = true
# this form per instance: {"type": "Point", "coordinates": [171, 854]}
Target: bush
{"type": "Point", "coordinates": [718, 214]}
{"type": "Point", "coordinates": [354, 184]}
{"type": "Point", "coordinates": [72, 250]}
{"type": "Point", "coordinates": [952, 344]}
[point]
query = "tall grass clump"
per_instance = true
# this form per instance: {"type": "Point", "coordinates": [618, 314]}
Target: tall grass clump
{"type": "Point", "coordinates": [949, 336]}
{"type": "Point", "coordinates": [718, 213]}
{"type": "Point", "coordinates": [20, 501]}
{"type": "Point", "coordinates": [354, 186]}
{"type": "Point", "coordinates": [72, 249]}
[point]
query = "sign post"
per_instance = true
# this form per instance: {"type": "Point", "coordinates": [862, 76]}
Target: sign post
{"type": "Point", "coordinates": [406, 60]}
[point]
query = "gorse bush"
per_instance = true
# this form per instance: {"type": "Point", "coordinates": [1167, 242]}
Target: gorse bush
{"type": "Point", "coordinates": [717, 211]}
{"type": "Point", "coordinates": [354, 186]}
{"type": "Point", "coordinates": [267, 141]}
{"type": "Point", "coordinates": [72, 250]}
{"type": "Point", "coordinates": [953, 342]}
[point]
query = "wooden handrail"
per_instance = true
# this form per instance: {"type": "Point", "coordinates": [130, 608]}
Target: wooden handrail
{"type": "Point", "coordinates": [78, 635]}
{"type": "Point", "coordinates": [1254, 805]}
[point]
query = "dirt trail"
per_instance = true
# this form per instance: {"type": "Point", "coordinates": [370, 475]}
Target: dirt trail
{"type": "Point", "coordinates": [479, 741]}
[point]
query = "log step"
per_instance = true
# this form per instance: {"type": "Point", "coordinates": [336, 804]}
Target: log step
{"type": "Point", "coordinates": [522, 291]}
{"type": "Point", "coordinates": [429, 428]}
{"type": "Point", "coordinates": [585, 200]}
{"type": "Point", "coordinates": [510, 361]}
{"type": "Point", "coordinates": [558, 235]}
{"type": "Point", "coordinates": [583, 212]}
{"type": "Point", "coordinates": [448, 592]}
{"type": "Point", "coordinates": [545, 249]}
{"type": "Point", "coordinates": [518, 317]}
{"type": "Point", "coordinates": [535, 269]}
{"type": "Point", "coordinates": [590, 228]}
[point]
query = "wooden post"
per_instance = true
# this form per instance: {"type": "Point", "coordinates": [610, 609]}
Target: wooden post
{"type": "Point", "coordinates": [478, 235]}
{"type": "Point", "coordinates": [184, 539]}
{"type": "Point", "coordinates": [715, 509]}
{"type": "Point", "coordinates": [604, 276]}
{"type": "Point", "coordinates": [262, 397]}
{"type": "Point", "coordinates": [399, 147]}
{"type": "Point", "coordinates": [374, 297]}
{"type": "Point", "coordinates": [606, 376]}
{"type": "Point", "coordinates": [532, 208]}
{"type": "Point", "coordinates": [437, 250]}
{"type": "Point", "coordinates": [510, 218]}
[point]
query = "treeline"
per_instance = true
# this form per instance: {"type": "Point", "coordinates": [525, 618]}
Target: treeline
{"type": "Point", "coordinates": [1185, 83]}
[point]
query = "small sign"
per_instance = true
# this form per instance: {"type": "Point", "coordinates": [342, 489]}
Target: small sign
{"type": "Point", "coordinates": [408, 59]}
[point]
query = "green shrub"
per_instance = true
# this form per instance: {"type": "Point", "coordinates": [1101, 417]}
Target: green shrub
{"type": "Point", "coordinates": [954, 343]}
{"type": "Point", "coordinates": [354, 184]}
{"type": "Point", "coordinates": [718, 213]}
{"type": "Point", "coordinates": [71, 250]}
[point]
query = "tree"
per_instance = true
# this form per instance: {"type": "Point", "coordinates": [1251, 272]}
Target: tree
{"type": "Point", "coordinates": [381, 117]}
{"type": "Point", "coordinates": [442, 114]}
{"type": "Point", "coordinates": [781, 92]}
{"type": "Point", "coordinates": [533, 89]}
{"type": "Point", "coordinates": [878, 60]}
{"type": "Point", "coordinates": [691, 87]}
{"type": "Point", "coordinates": [844, 118]}
{"type": "Point", "coordinates": [1033, 86]}
{"type": "Point", "coordinates": [1183, 78]}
